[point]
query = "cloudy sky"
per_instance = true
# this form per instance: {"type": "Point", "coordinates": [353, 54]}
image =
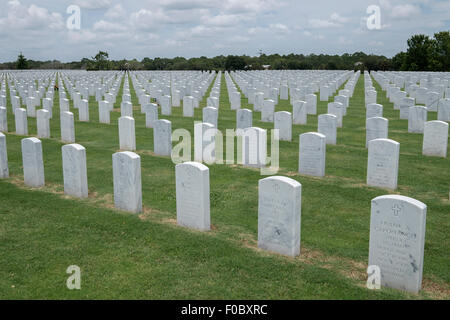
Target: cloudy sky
{"type": "Point", "coordinates": [193, 28]}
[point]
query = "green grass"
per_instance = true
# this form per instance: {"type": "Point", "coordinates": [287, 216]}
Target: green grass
{"type": "Point", "coordinates": [126, 256]}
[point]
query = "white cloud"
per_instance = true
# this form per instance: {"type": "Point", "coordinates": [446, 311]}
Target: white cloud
{"type": "Point", "coordinates": [106, 26]}
{"type": "Point", "coordinates": [405, 11]}
{"type": "Point", "coordinates": [116, 12]}
{"type": "Point", "coordinates": [34, 18]}
{"type": "Point", "coordinates": [335, 21]}
{"type": "Point", "coordinates": [93, 4]}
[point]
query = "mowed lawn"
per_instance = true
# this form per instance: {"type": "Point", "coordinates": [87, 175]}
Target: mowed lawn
{"type": "Point", "coordinates": [147, 256]}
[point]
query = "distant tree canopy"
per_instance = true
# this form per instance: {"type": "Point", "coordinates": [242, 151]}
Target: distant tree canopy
{"type": "Point", "coordinates": [21, 63]}
{"type": "Point", "coordinates": [423, 54]}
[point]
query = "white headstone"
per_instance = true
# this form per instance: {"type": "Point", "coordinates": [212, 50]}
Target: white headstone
{"type": "Point", "coordinates": [279, 215]}
{"type": "Point", "coordinates": [188, 106]}
{"type": "Point", "coordinates": [162, 137]}
{"type": "Point", "coordinates": [33, 165]}
{"type": "Point", "coordinates": [327, 125]}
{"type": "Point", "coordinates": [151, 114]}
{"type": "Point", "coordinates": [21, 121]}
{"type": "Point", "coordinates": [312, 152]}
{"type": "Point", "coordinates": [166, 105]}
{"type": "Point", "coordinates": [435, 139]}
{"type": "Point", "coordinates": [376, 128]}
{"type": "Point", "coordinates": [127, 135]}
{"type": "Point", "coordinates": [299, 111]}
{"type": "Point", "coordinates": [382, 165]}
{"type": "Point", "coordinates": [4, 169]}
{"type": "Point", "coordinates": [374, 110]}
{"type": "Point", "coordinates": [337, 109]}
{"type": "Point", "coordinates": [254, 147]}
{"type": "Point", "coordinates": [74, 170]}
{"type": "Point", "coordinates": [397, 238]}
{"type": "Point", "coordinates": [417, 116]}
{"type": "Point", "coordinates": [283, 122]}
{"type": "Point", "coordinates": [211, 115]}
{"type": "Point", "coordinates": [3, 119]}
{"type": "Point", "coordinates": [127, 181]}
{"type": "Point", "coordinates": [268, 110]}
{"type": "Point", "coordinates": [192, 192]}
{"type": "Point", "coordinates": [83, 110]}
{"type": "Point", "coordinates": [43, 123]}
{"type": "Point", "coordinates": [311, 103]}
{"type": "Point", "coordinates": [204, 142]}
{"type": "Point", "coordinates": [244, 119]}
{"type": "Point", "coordinates": [67, 127]}
{"type": "Point", "coordinates": [126, 109]}
{"type": "Point", "coordinates": [444, 110]}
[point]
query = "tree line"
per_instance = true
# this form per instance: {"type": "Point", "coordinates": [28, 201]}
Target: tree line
{"type": "Point", "coordinates": [424, 53]}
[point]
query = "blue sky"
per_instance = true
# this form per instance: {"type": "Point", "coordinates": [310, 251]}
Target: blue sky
{"type": "Point", "coordinates": [192, 28]}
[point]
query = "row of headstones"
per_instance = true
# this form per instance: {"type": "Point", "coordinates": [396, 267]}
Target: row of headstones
{"type": "Point", "coordinates": [400, 259]}
{"type": "Point", "coordinates": [433, 101]}
{"type": "Point", "coordinates": [435, 136]}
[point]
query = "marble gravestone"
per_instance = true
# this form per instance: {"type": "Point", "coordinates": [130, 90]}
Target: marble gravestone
{"type": "Point", "coordinates": [43, 123]}
{"type": "Point", "coordinates": [127, 135]}
{"type": "Point", "coordinates": [283, 123]}
{"type": "Point", "coordinates": [21, 121]}
{"type": "Point", "coordinates": [67, 127]}
{"type": "Point", "coordinates": [327, 125]}
{"type": "Point", "coordinates": [397, 239]}
{"type": "Point", "coordinates": [3, 120]}
{"type": "Point", "coordinates": [162, 137]}
{"type": "Point", "coordinates": [435, 139]}
{"type": "Point", "coordinates": [166, 105]}
{"type": "Point", "coordinates": [74, 170]}
{"type": "Point", "coordinates": [4, 169]}
{"type": "Point", "coordinates": [126, 109]}
{"type": "Point", "coordinates": [204, 142]}
{"type": "Point", "coordinates": [299, 111]}
{"type": "Point", "coordinates": [151, 114]}
{"type": "Point", "coordinates": [188, 106]}
{"type": "Point", "coordinates": [382, 165]}
{"type": "Point", "coordinates": [83, 111]}
{"type": "Point", "coordinates": [311, 103]}
{"type": "Point", "coordinates": [253, 147]}
{"type": "Point", "coordinates": [312, 152]}
{"type": "Point", "coordinates": [211, 115]}
{"type": "Point", "coordinates": [235, 100]}
{"type": "Point", "coordinates": [376, 128]}
{"type": "Point", "coordinates": [374, 110]}
{"type": "Point", "coordinates": [192, 193]}
{"type": "Point", "coordinates": [417, 116]}
{"type": "Point", "coordinates": [127, 181]}
{"type": "Point", "coordinates": [432, 100]}
{"type": "Point", "coordinates": [279, 215]}
{"type": "Point", "coordinates": [104, 109]}
{"type": "Point", "coordinates": [268, 110]}
{"type": "Point", "coordinates": [405, 104]}
{"type": "Point", "coordinates": [337, 109]}
{"type": "Point", "coordinates": [244, 119]}
{"type": "Point", "coordinates": [33, 164]}
{"type": "Point", "coordinates": [444, 110]}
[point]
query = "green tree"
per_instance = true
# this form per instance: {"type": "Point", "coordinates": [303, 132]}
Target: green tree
{"type": "Point", "coordinates": [235, 63]}
{"type": "Point", "coordinates": [22, 62]}
{"type": "Point", "coordinates": [419, 53]}
{"type": "Point", "coordinates": [101, 60]}
{"type": "Point", "coordinates": [441, 54]}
